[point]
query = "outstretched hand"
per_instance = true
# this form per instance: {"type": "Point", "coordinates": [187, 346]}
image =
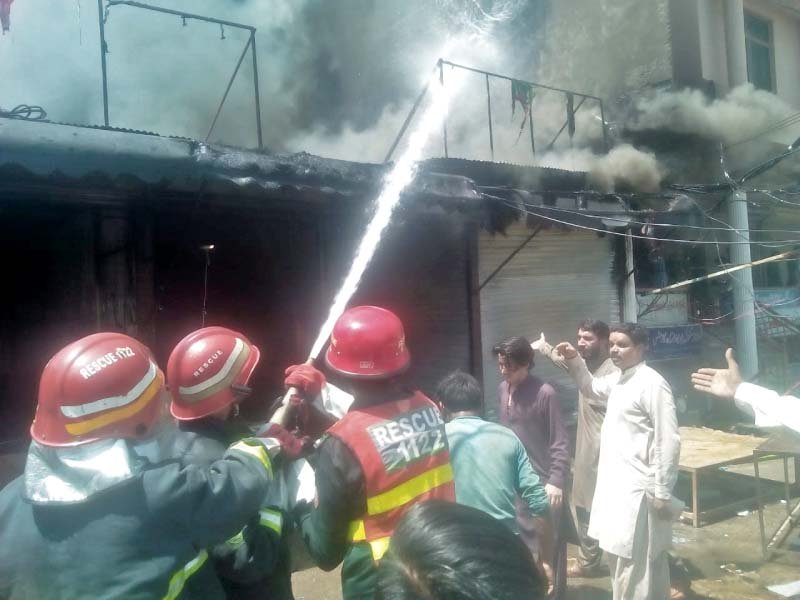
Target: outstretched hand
{"type": "Point", "coordinates": [537, 345]}
{"type": "Point", "coordinates": [719, 382]}
{"type": "Point", "coordinates": [566, 350]}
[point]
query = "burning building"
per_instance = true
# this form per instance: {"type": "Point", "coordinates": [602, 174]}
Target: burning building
{"type": "Point", "coordinates": [149, 235]}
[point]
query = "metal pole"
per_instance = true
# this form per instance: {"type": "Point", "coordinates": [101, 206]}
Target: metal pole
{"type": "Point", "coordinates": [228, 89]}
{"type": "Point", "coordinates": [755, 263]}
{"type": "Point", "coordinates": [489, 107]}
{"type": "Point", "coordinates": [103, 50]}
{"type": "Point", "coordinates": [743, 295]}
{"type": "Point", "coordinates": [444, 119]}
{"type": "Point", "coordinates": [507, 78]}
{"type": "Point", "coordinates": [407, 122]}
{"type": "Point", "coordinates": [179, 13]}
{"type": "Point", "coordinates": [603, 123]}
{"type": "Point", "coordinates": [530, 128]}
{"type": "Point", "coordinates": [630, 306]}
{"type": "Point", "coordinates": [564, 126]}
{"type": "Point", "coordinates": [759, 504]}
{"type": "Point", "coordinates": [570, 117]}
{"type": "Point", "coordinates": [255, 87]}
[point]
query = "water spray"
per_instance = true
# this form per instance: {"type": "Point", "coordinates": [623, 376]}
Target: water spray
{"type": "Point", "coordinates": [397, 180]}
{"type": "Point", "coordinates": [403, 172]}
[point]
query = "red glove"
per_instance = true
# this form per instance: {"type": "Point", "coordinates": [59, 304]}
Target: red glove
{"type": "Point", "coordinates": [291, 447]}
{"type": "Point", "coordinates": [305, 378]}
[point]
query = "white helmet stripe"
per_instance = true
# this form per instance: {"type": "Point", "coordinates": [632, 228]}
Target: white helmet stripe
{"type": "Point", "coordinates": [90, 408]}
{"type": "Point", "coordinates": [238, 348]}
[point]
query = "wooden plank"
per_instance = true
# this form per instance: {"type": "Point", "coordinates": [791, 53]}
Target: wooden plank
{"type": "Point", "coordinates": [712, 513]}
{"type": "Point", "coordinates": [703, 448]}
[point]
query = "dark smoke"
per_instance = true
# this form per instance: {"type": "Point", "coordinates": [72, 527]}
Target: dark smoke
{"type": "Point", "coordinates": [326, 67]}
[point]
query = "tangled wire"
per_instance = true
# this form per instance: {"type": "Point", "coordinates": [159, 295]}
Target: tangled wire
{"type": "Point", "coordinates": [26, 112]}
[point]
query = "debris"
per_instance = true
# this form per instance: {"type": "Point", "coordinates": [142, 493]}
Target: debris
{"type": "Point", "coordinates": [5, 15]}
{"type": "Point", "coordinates": [731, 568]}
{"type": "Point", "coordinates": [679, 540]}
{"type": "Point", "coordinates": [787, 590]}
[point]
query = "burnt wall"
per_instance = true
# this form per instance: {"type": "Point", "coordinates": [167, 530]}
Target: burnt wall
{"type": "Point", "coordinates": [421, 271]}
{"type": "Point", "coordinates": [135, 265]}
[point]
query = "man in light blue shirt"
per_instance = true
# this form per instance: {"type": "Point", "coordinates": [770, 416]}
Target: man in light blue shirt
{"type": "Point", "coordinates": [490, 464]}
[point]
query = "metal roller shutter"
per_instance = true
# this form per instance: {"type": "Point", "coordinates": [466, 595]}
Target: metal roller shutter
{"type": "Point", "coordinates": [557, 280]}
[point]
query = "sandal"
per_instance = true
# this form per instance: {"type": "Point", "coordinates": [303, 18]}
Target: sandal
{"type": "Point", "coordinates": [575, 570]}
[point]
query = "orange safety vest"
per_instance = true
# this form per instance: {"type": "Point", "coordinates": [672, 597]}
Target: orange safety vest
{"type": "Point", "coordinates": [402, 449]}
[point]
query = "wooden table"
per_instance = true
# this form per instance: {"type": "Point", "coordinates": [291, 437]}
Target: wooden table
{"type": "Point", "coordinates": [704, 451]}
{"type": "Point", "coordinates": [783, 444]}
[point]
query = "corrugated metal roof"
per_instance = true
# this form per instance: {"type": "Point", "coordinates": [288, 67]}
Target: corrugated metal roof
{"type": "Point", "coordinates": [486, 173]}
{"type": "Point", "coordinates": [45, 149]}
{"type": "Point", "coordinates": [112, 161]}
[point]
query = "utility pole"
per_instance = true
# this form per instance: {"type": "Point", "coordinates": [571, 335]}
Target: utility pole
{"type": "Point", "coordinates": [103, 51]}
{"type": "Point", "coordinates": [735, 46]}
{"type": "Point", "coordinates": [743, 293]}
{"type": "Point", "coordinates": [630, 305]}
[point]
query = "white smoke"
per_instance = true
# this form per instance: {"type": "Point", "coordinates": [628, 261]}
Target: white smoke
{"type": "Point", "coordinates": [368, 145]}
{"type": "Point", "coordinates": [741, 114]}
{"type": "Point", "coordinates": [624, 166]}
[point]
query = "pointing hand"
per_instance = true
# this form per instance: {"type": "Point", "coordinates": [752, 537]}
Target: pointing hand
{"type": "Point", "coordinates": [566, 350]}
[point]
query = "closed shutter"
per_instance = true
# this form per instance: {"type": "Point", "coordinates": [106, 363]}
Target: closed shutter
{"type": "Point", "coordinates": [556, 281]}
{"type": "Point", "coordinates": [420, 271]}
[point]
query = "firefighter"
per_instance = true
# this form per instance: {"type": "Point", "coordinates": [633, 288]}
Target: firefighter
{"type": "Point", "coordinates": [208, 374]}
{"type": "Point", "coordinates": [103, 510]}
{"type": "Point", "coordinates": [387, 453]}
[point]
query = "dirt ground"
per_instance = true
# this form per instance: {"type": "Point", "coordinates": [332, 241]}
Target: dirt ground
{"type": "Point", "coordinates": [724, 559]}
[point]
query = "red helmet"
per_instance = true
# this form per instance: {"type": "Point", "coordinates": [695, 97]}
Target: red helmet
{"type": "Point", "coordinates": [204, 366]}
{"type": "Point", "coordinates": [105, 385]}
{"type": "Point", "coordinates": [368, 343]}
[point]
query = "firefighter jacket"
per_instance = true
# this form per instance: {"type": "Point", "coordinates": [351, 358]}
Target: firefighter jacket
{"type": "Point", "coordinates": [373, 464]}
{"type": "Point", "coordinates": [144, 538]}
{"type": "Point", "coordinates": [254, 563]}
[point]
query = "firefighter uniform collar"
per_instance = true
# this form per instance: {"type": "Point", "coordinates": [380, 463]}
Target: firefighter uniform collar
{"type": "Point", "coordinates": [73, 474]}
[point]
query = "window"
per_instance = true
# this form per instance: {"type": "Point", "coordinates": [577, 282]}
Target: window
{"type": "Point", "coordinates": [758, 41]}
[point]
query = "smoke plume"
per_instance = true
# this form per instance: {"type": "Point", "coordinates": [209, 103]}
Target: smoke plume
{"type": "Point", "coordinates": [329, 71]}
{"type": "Point", "coordinates": [741, 114]}
{"type": "Point", "coordinates": [623, 167]}
{"type": "Point", "coordinates": [338, 78]}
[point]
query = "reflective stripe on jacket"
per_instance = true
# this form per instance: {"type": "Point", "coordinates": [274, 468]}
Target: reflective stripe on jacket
{"type": "Point", "coordinates": [402, 449]}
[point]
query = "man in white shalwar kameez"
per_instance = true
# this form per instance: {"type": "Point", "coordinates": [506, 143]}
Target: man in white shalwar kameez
{"type": "Point", "coordinates": [639, 449]}
{"type": "Point", "coordinates": [769, 408]}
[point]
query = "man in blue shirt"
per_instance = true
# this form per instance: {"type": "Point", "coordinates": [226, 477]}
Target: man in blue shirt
{"type": "Point", "coordinates": [490, 464]}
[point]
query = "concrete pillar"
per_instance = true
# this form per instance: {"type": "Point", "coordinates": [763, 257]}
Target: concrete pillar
{"type": "Point", "coordinates": [735, 49]}
{"type": "Point", "coordinates": [630, 305]}
{"type": "Point", "coordinates": [743, 295]}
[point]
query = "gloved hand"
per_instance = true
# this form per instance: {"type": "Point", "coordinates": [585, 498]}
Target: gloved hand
{"type": "Point", "coordinates": [291, 446]}
{"type": "Point", "coordinates": [305, 378]}
{"type": "Point", "coordinates": [299, 512]}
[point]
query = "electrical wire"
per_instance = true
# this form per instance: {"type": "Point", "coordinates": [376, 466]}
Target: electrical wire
{"type": "Point", "coordinates": [779, 200]}
{"type": "Point", "coordinates": [26, 112]}
{"type": "Point", "coordinates": [774, 244]}
{"type": "Point", "coordinates": [670, 225]}
{"type": "Point", "coordinates": [785, 122]}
